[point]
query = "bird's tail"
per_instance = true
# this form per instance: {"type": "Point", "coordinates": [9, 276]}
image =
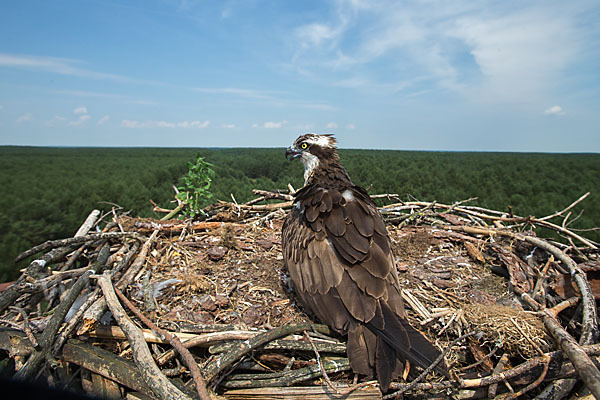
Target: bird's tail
{"type": "Point", "coordinates": [383, 345]}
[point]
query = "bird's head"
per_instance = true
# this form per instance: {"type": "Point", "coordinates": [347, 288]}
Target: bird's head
{"type": "Point", "coordinates": [313, 150]}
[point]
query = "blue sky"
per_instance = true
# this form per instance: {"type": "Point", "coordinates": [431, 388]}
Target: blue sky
{"type": "Point", "coordinates": [417, 75]}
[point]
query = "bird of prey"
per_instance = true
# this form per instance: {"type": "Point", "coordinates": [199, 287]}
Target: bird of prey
{"type": "Point", "coordinates": [337, 251]}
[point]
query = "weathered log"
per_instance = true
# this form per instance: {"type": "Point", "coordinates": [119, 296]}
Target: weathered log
{"type": "Point", "coordinates": [105, 363]}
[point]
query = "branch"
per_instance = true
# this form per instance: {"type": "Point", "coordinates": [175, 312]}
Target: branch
{"type": "Point", "coordinates": [151, 374]}
{"type": "Point", "coordinates": [176, 343]}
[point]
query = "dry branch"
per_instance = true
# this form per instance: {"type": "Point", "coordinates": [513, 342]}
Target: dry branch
{"type": "Point", "coordinates": [176, 343]}
{"type": "Point", "coordinates": [151, 374]}
{"type": "Point", "coordinates": [47, 339]}
{"type": "Point", "coordinates": [50, 244]}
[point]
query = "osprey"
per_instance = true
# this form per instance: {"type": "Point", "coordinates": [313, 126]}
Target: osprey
{"type": "Point", "coordinates": [337, 251]}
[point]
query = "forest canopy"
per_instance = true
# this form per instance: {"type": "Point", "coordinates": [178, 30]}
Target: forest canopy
{"type": "Point", "coordinates": [48, 192]}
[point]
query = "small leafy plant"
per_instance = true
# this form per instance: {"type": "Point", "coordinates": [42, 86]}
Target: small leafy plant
{"type": "Point", "coordinates": [194, 190]}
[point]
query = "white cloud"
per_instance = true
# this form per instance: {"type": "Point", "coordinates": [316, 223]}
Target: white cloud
{"type": "Point", "coordinates": [332, 125]}
{"type": "Point", "coordinates": [164, 124]}
{"type": "Point", "coordinates": [274, 125]}
{"type": "Point", "coordinates": [103, 120]}
{"type": "Point", "coordinates": [81, 120]}
{"type": "Point", "coordinates": [255, 125]}
{"type": "Point", "coordinates": [350, 126]}
{"type": "Point", "coordinates": [488, 51]}
{"type": "Point", "coordinates": [228, 126]}
{"type": "Point", "coordinates": [555, 110]}
{"type": "Point", "coordinates": [56, 120]}
{"type": "Point", "coordinates": [80, 110]}
{"type": "Point", "coordinates": [24, 118]}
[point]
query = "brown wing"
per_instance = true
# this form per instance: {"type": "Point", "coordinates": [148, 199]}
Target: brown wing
{"type": "Point", "coordinates": [337, 251]}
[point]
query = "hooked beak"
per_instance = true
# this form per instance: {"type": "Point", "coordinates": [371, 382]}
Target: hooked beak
{"type": "Point", "coordinates": [292, 153]}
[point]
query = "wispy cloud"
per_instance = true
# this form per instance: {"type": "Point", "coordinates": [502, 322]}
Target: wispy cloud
{"type": "Point", "coordinates": [55, 121]}
{"type": "Point", "coordinates": [332, 125]}
{"type": "Point", "coordinates": [80, 110]}
{"type": "Point", "coordinates": [351, 126]}
{"type": "Point", "coordinates": [241, 92]}
{"type": "Point", "coordinates": [270, 125]}
{"type": "Point", "coordinates": [554, 110]}
{"type": "Point", "coordinates": [228, 126]}
{"type": "Point", "coordinates": [24, 118]}
{"type": "Point", "coordinates": [274, 125]}
{"type": "Point", "coordinates": [495, 51]}
{"type": "Point", "coordinates": [80, 121]}
{"type": "Point", "coordinates": [62, 66]}
{"type": "Point", "coordinates": [164, 124]}
{"type": "Point", "coordinates": [103, 120]}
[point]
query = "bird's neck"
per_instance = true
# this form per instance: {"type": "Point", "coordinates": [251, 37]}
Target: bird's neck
{"type": "Point", "coordinates": [329, 174]}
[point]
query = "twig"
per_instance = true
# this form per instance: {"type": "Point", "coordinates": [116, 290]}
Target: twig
{"type": "Point", "coordinates": [573, 204]}
{"type": "Point", "coordinates": [176, 343]}
{"type": "Point", "coordinates": [241, 349]}
{"type": "Point", "coordinates": [483, 359]}
{"type": "Point", "coordinates": [27, 327]}
{"type": "Point", "coordinates": [497, 369]}
{"type": "Point", "coordinates": [430, 368]}
{"type": "Point", "coordinates": [533, 384]}
{"type": "Point", "coordinates": [74, 240]}
{"type": "Point", "coordinates": [32, 365]}
{"type": "Point", "coordinates": [286, 378]}
{"type": "Point", "coordinates": [320, 362]}
{"type": "Point", "coordinates": [151, 374]}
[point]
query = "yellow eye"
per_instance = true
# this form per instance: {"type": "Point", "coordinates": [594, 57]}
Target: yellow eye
{"type": "Point", "coordinates": [303, 146]}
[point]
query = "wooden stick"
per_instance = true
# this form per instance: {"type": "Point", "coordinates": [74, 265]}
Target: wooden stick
{"type": "Point", "coordinates": [573, 204]}
{"type": "Point", "coordinates": [241, 349]}
{"type": "Point", "coordinates": [273, 195]}
{"type": "Point", "coordinates": [89, 222]}
{"type": "Point", "coordinates": [176, 343]}
{"type": "Point", "coordinates": [207, 339]}
{"type": "Point", "coordinates": [74, 240]}
{"type": "Point", "coordinates": [151, 375]}
{"type": "Point", "coordinates": [95, 312]}
{"type": "Point", "coordinates": [302, 392]}
{"type": "Point", "coordinates": [286, 378]}
{"type": "Point", "coordinates": [47, 339]}
{"type": "Point", "coordinates": [10, 295]}
{"type": "Point", "coordinates": [581, 361]}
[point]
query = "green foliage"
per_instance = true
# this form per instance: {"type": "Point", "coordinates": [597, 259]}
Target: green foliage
{"type": "Point", "coordinates": [46, 193]}
{"type": "Point", "coordinates": [195, 188]}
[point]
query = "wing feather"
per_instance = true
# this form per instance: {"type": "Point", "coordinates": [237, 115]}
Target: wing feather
{"type": "Point", "coordinates": [338, 253]}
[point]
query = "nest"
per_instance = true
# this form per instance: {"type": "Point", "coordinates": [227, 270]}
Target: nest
{"type": "Point", "coordinates": [474, 290]}
{"type": "Point", "coordinates": [518, 332]}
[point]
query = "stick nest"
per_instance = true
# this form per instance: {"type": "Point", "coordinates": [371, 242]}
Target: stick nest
{"type": "Point", "coordinates": [470, 282]}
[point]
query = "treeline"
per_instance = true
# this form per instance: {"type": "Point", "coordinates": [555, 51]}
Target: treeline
{"type": "Point", "coordinates": [48, 192]}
